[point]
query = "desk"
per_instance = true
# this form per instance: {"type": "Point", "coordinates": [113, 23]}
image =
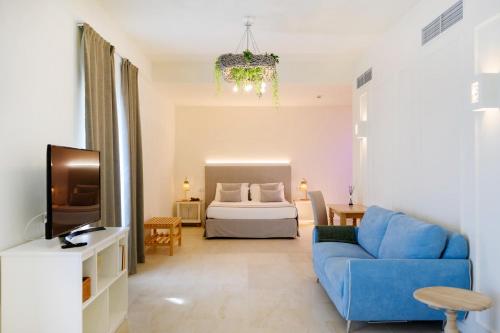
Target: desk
{"type": "Point", "coordinates": [345, 212]}
{"type": "Point", "coordinates": [452, 300]}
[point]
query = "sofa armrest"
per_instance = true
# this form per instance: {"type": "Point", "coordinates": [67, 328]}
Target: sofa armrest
{"type": "Point", "coordinates": [383, 288]}
{"type": "Point", "coordinates": [327, 233]}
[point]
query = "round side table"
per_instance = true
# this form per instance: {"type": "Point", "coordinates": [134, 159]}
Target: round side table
{"type": "Point", "coordinates": [452, 300]}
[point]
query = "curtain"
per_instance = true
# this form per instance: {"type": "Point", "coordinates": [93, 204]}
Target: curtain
{"type": "Point", "coordinates": [130, 94]}
{"type": "Point", "coordinates": [101, 119]}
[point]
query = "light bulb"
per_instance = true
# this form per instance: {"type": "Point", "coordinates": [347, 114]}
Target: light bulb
{"type": "Point", "coordinates": [263, 87]}
{"type": "Point", "coordinates": [248, 87]}
{"type": "Point", "coordinates": [235, 88]}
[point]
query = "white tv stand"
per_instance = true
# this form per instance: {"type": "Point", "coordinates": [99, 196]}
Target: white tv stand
{"type": "Point", "coordinates": [41, 285]}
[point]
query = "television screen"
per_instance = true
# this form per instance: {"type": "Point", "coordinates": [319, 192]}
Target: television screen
{"type": "Point", "coordinates": [73, 189]}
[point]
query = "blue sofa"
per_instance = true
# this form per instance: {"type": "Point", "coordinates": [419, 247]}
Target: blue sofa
{"type": "Point", "coordinates": [389, 256]}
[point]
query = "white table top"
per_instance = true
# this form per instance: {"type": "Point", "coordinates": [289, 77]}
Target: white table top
{"type": "Point", "coordinates": [53, 246]}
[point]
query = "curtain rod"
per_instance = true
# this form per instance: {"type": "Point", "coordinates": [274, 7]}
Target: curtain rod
{"type": "Point", "coordinates": [80, 25]}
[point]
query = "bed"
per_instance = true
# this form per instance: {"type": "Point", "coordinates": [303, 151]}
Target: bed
{"type": "Point", "coordinates": [249, 219]}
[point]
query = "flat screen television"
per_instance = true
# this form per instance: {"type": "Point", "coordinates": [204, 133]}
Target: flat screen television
{"type": "Point", "coordinates": [73, 190]}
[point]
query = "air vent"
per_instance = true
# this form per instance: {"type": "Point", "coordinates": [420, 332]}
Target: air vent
{"type": "Point", "coordinates": [431, 31]}
{"type": "Point", "coordinates": [364, 78]}
{"type": "Point", "coordinates": [451, 16]}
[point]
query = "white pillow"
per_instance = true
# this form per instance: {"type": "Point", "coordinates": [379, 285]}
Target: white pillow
{"type": "Point", "coordinates": [255, 192]}
{"type": "Point", "coordinates": [244, 192]}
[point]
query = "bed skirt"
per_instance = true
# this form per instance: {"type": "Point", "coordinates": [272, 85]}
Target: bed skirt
{"type": "Point", "coordinates": [279, 228]}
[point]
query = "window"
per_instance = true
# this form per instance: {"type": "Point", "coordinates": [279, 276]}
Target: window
{"type": "Point", "coordinates": [123, 146]}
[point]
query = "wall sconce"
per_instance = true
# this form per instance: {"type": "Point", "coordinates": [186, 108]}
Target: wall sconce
{"type": "Point", "coordinates": [186, 187]}
{"type": "Point", "coordinates": [360, 129]}
{"type": "Point", "coordinates": [303, 187]}
{"type": "Point", "coordinates": [485, 92]}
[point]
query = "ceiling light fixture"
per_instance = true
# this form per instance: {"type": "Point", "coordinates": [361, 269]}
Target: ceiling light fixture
{"type": "Point", "coordinates": [248, 70]}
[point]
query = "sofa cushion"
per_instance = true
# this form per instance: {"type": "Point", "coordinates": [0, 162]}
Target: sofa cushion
{"type": "Point", "coordinates": [372, 228]}
{"type": "Point", "coordinates": [335, 271]}
{"type": "Point", "coordinates": [456, 247]}
{"type": "Point", "coordinates": [342, 234]}
{"type": "Point", "coordinates": [323, 251]}
{"type": "Point", "coordinates": [408, 238]}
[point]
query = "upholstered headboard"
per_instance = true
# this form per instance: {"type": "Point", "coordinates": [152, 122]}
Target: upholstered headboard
{"type": "Point", "coordinates": [253, 174]}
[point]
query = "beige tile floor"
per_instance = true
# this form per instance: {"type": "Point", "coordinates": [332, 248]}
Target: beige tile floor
{"type": "Point", "coordinates": [237, 286]}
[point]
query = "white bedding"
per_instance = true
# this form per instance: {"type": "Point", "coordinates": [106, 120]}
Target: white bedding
{"type": "Point", "coordinates": [251, 210]}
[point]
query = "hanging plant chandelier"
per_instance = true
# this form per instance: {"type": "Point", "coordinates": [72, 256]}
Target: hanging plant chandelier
{"type": "Point", "coordinates": [248, 70]}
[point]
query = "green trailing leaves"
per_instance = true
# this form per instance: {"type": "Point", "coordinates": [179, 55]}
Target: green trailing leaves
{"type": "Point", "coordinates": [218, 76]}
{"type": "Point", "coordinates": [247, 55]}
{"type": "Point", "coordinates": [275, 88]}
{"type": "Point", "coordinates": [275, 57]}
{"type": "Point", "coordinates": [243, 75]}
{"type": "Point", "coordinates": [248, 71]}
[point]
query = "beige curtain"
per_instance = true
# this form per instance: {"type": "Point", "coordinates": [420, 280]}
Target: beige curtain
{"type": "Point", "coordinates": [130, 92]}
{"type": "Point", "coordinates": [102, 120]}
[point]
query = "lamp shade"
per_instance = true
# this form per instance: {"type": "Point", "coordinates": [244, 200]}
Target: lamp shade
{"type": "Point", "coordinates": [185, 185]}
{"type": "Point", "coordinates": [303, 185]}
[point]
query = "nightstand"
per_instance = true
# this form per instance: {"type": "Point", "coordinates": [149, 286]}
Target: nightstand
{"type": "Point", "coordinates": [190, 212]}
{"type": "Point", "coordinates": [304, 209]}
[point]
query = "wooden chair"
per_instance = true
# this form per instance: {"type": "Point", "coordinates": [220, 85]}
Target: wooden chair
{"type": "Point", "coordinates": [319, 208]}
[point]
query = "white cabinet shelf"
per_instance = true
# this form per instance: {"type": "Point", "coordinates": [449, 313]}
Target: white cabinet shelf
{"type": "Point", "coordinates": [42, 285]}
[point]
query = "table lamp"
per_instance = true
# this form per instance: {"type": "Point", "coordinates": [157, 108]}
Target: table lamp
{"type": "Point", "coordinates": [185, 188]}
{"type": "Point", "coordinates": [303, 187]}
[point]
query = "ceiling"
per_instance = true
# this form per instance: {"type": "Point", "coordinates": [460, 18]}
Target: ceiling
{"type": "Point", "coordinates": [331, 33]}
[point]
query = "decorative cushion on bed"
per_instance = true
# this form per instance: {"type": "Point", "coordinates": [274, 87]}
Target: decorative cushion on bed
{"type": "Point", "coordinates": [256, 188]}
{"type": "Point", "coordinates": [270, 186]}
{"type": "Point", "coordinates": [230, 196]}
{"type": "Point", "coordinates": [270, 195]}
{"type": "Point", "coordinates": [232, 187]}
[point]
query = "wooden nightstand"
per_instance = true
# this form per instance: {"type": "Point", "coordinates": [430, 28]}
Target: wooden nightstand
{"type": "Point", "coordinates": [304, 210]}
{"type": "Point", "coordinates": [190, 212]}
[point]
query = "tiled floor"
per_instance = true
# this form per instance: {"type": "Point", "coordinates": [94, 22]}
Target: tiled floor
{"type": "Point", "coordinates": [237, 286]}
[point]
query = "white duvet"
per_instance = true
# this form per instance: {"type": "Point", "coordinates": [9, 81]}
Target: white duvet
{"type": "Point", "coordinates": [251, 210]}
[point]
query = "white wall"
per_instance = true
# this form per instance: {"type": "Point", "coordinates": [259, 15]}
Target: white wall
{"type": "Point", "coordinates": [317, 142]}
{"type": "Point", "coordinates": [158, 135]}
{"type": "Point", "coordinates": [426, 153]}
{"type": "Point", "coordinates": [39, 104]}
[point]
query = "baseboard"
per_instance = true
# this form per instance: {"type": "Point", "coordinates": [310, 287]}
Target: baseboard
{"type": "Point", "coordinates": [472, 326]}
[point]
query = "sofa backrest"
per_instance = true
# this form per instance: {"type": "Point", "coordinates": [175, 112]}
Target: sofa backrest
{"type": "Point", "coordinates": [456, 247]}
{"type": "Point", "coordinates": [373, 227]}
{"type": "Point", "coordinates": [409, 238]}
